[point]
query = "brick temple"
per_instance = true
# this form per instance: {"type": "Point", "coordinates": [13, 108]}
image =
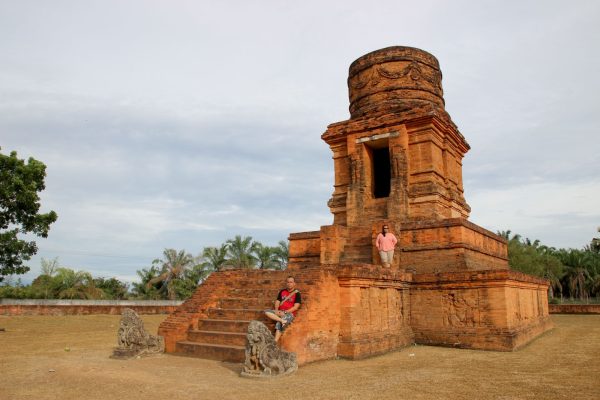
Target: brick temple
{"type": "Point", "coordinates": [398, 161]}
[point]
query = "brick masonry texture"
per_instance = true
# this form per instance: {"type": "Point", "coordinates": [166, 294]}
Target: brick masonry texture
{"type": "Point", "coordinates": [397, 161]}
{"type": "Point", "coordinates": [84, 307]}
{"type": "Point", "coordinates": [574, 308]}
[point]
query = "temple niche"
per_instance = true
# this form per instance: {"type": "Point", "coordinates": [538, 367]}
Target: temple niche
{"type": "Point", "coordinates": [397, 161]}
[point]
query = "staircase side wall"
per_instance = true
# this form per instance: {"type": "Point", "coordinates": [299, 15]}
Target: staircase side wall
{"type": "Point", "coordinates": [351, 311]}
{"type": "Point", "coordinates": [314, 335]}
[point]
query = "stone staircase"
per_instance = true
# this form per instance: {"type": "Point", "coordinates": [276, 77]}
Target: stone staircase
{"type": "Point", "coordinates": [221, 335]}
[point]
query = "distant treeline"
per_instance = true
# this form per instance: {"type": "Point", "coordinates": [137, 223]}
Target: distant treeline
{"type": "Point", "coordinates": [175, 276]}
{"type": "Point", "coordinates": [574, 274]}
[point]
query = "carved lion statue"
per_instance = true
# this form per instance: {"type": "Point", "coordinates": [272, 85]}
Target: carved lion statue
{"type": "Point", "coordinates": [133, 339]}
{"type": "Point", "coordinates": [263, 357]}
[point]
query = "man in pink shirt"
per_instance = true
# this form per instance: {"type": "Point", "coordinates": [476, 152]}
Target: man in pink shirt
{"type": "Point", "coordinates": [385, 243]}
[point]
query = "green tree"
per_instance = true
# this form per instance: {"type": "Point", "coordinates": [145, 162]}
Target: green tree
{"type": "Point", "coordinates": [265, 256]}
{"type": "Point", "coordinates": [19, 211]}
{"type": "Point", "coordinates": [576, 276]}
{"type": "Point", "coordinates": [595, 244]}
{"type": "Point", "coordinates": [172, 268]}
{"type": "Point", "coordinates": [70, 284]}
{"type": "Point", "coordinates": [146, 290]}
{"type": "Point", "coordinates": [240, 252]}
{"type": "Point", "coordinates": [535, 259]}
{"type": "Point", "coordinates": [42, 285]}
{"type": "Point", "coordinates": [14, 291]}
{"type": "Point", "coordinates": [282, 252]}
{"type": "Point", "coordinates": [192, 277]}
{"type": "Point", "coordinates": [213, 258]}
{"type": "Point", "coordinates": [113, 288]}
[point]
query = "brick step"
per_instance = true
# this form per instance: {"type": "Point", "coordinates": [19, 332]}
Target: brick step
{"type": "Point", "coordinates": [223, 325]}
{"type": "Point", "coordinates": [236, 313]}
{"type": "Point", "coordinates": [358, 251]}
{"type": "Point", "coordinates": [215, 337]}
{"type": "Point", "coordinates": [355, 260]}
{"type": "Point", "coordinates": [364, 254]}
{"type": "Point", "coordinates": [257, 303]}
{"type": "Point", "coordinates": [261, 282]}
{"type": "Point", "coordinates": [229, 353]}
{"type": "Point", "coordinates": [253, 292]}
{"type": "Point", "coordinates": [360, 241]}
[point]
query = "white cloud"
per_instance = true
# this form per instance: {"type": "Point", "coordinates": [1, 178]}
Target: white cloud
{"type": "Point", "coordinates": [559, 214]}
{"type": "Point", "coordinates": [183, 124]}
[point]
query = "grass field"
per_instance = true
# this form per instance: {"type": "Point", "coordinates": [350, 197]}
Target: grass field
{"type": "Point", "coordinates": [45, 357]}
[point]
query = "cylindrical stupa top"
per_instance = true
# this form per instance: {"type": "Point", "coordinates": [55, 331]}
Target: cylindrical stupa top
{"type": "Point", "coordinates": [394, 80]}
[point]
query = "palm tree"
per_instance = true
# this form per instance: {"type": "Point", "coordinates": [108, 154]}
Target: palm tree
{"type": "Point", "coordinates": [576, 274]}
{"type": "Point", "coordinates": [192, 277]}
{"type": "Point", "coordinates": [555, 285]}
{"type": "Point", "coordinates": [213, 258]}
{"type": "Point", "coordinates": [265, 256]}
{"type": "Point", "coordinates": [282, 252]}
{"type": "Point", "coordinates": [173, 266]}
{"type": "Point", "coordinates": [142, 290]}
{"type": "Point", "coordinates": [240, 252]}
{"type": "Point", "coordinates": [595, 286]}
{"type": "Point", "coordinates": [70, 284]}
{"type": "Point", "coordinates": [504, 234]}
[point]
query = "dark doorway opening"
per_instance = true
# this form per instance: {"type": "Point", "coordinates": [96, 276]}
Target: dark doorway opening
{"type": "Point", "coordinates": [381, 172]}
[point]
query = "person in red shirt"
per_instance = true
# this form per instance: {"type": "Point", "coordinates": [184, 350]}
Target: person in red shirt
{"type": "Point", "coordinates": [287, 303]}
{"type": "Point", "coordinates": [386, 242]}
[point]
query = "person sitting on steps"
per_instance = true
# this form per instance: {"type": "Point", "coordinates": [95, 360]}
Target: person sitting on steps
{"type": "Point", "coordinates": [287, 303]}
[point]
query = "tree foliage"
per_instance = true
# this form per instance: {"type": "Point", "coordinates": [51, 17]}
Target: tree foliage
{"type": "Point", "coordinates": [173, 267]}
{"type": "Point", "coordinates": [165, 281]}
{"type": "Point", "coordinates": [573, 273]}
{"type": "Point", "coordinates": [241, 252]}
{"type": "Point", "coordinates": [20, 184]}
{"type": "Point", "coordinates": [175, 275]}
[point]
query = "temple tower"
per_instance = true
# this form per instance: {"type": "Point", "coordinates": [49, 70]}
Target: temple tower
{"type": "Point", "coordinates": [398, 160]}
{"type": "Point", "coordinates": [399, 157]}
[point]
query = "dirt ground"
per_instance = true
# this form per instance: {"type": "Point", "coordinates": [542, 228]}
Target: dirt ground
{"type": "Point", "coordinates": [46, 357]}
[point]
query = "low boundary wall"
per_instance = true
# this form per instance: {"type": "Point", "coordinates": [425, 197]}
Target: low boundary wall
{"type": "Point", "coordinates": [574, 308]}
{"type": "Point", "coordinates": [84, 307]}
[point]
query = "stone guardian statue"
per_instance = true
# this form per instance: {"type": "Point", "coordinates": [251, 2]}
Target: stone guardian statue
{"type": "Point", "coordinates": [133, 340]}
{"type": "Point", "coordinates": [264, 358]}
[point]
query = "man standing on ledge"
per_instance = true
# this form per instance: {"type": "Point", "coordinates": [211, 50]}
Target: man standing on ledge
{"type": "Point", "coordinates": [385, 243]}
{"type": "Point", "coordinates": [287, 303]}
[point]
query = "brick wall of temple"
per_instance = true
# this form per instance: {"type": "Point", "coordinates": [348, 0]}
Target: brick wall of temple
{"type": "Point", "coordinates": [493, 310]}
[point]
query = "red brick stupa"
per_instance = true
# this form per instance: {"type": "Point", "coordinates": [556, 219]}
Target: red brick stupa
{"type": "Point", "coordinates": [398, 161]}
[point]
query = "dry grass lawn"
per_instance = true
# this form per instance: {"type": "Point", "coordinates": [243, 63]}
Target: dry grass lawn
{"type": "Point", "coordinates": [45, 357]}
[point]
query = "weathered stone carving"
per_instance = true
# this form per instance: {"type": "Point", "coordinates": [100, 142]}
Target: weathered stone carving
{"type": "Point", "coordinates": [133, 340]}
{"type": "Point", "coordinates": [459, 311]}
{"type": "Point", "coordinates": [263, 357]}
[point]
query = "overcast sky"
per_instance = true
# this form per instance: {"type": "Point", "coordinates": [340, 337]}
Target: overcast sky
{"type": "Point", "coordinates": [179, 124]}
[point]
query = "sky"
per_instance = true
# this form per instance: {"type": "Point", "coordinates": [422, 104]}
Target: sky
{"type": "Point", "coordinates": [180, 124]}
